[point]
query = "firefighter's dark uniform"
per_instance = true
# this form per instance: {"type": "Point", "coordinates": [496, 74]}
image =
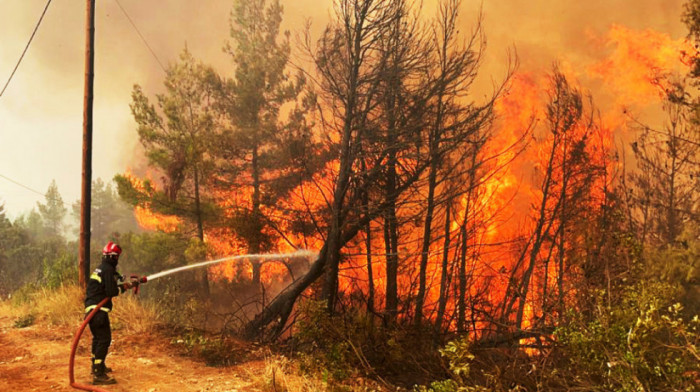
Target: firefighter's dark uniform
{"type": "Point", "coordinates": [103, 283]}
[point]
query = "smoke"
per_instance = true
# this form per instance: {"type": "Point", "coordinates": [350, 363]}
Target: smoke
{"type": "Point", "coordinates": [41, 112]}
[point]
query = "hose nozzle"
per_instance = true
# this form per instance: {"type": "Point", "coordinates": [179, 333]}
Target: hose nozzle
{"type": "Point", "coordinates": [136, 281]}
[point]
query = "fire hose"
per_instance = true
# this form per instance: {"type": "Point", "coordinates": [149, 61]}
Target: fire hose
{"type": "Point", "coordinates": [135, 281]}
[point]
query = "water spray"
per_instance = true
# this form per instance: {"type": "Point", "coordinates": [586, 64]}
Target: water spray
{"type": "Point", "coordinates": [136, 281]}
{"type": "Point", "coordinates": [264, 256]}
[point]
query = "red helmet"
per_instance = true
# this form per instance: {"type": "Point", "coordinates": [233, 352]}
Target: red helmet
{"type": "Point", "coordinates": [112, 249]}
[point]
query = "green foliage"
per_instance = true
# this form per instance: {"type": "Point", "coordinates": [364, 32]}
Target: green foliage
{"type": "Point", "coordinates": [438, 386]}
{"type": "Point", "coordinates": [459, 357]}
{"type": "Point", "coordinates": [110, 214]}
{"type": "Point", "coordinates": [196, 251]}
{"type": "Point", "coordinates": [460, 360]}
{"type": "Point", "coordinates": [344, 346]}
{"type": "Point", "coordinates": [679, 266]}
{"type": "Point", "coordinates": [327, 350]}
{"type": "Point", "coordinates": [146, 253]}
{"type": "Point", "coordinates": [25, 321]}
{"type": "Point", "coordinates": [174, 296]}
{"type": "Point", "coordinates": [53, 211]}
{"type": "Point", "coordinates": [215, 350]}
{"type": "Point", "coordinates": [35, 258]}
{"type": "Point", "coordinates": [177, 135]}
{"type": "Point", "coordinates": [59, 268]}
{"type": "Point", "coordinates": [644, 343]}
{"type": "Point", "coordinates": [32, 224]}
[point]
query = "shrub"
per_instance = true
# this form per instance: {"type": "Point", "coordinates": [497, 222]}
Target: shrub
{"type": "Point", "coordinates": [644, 343]}
{"type": "Point", "coordinates": [58, 270]}
{"type": "Point", "coordinates": [25, 321]}
{"type": "Point", "coordinates": [342, 347]}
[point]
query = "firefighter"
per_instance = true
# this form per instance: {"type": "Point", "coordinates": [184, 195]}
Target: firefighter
{"type": "Point", "coordinates": [104, 282]}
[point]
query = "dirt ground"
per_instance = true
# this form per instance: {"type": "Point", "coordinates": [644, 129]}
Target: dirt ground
{"type": "Point", "coordinates": [35, 358]}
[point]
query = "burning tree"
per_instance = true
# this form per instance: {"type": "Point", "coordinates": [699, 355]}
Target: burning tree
{"type": "Point", "coordinates": [573, 180]}
{"type": "Point", "coordinates": [663, 197]}
{"type": "Point", "coordinates": [177, 136]}
{"type": "Point", "coordinates": [391, 114]}
{"type": "Point", "coordinates": [264, 146]}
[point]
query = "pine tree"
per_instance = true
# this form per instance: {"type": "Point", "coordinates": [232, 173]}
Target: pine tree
{"type": "Point", "coordinates": [110, 214]}
{"type": "Point", "coordinates": [263, 151]}
{"type": "Point", "coordinates": [53, 211]}
{"type": "Point", "coordinates": [177, 136]}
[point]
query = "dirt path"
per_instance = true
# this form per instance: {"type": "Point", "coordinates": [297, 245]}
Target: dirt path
{"type": "Point", "coordinates": [36, 359]}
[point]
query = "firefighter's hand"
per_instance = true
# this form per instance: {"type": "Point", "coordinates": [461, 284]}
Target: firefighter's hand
{"type": "Point", "coordinates": [124, 286]}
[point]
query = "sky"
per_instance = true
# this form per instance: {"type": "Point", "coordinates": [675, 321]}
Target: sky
{"type": "Point", "coordinates": [41, 111]}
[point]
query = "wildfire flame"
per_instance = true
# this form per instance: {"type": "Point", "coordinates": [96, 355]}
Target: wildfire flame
{"type": "Point", "coordinates": [634, 71]}
{"type": "Point", "coordinates": [639, 63]}
{"type": "Point", "coordinates": [147, 218]}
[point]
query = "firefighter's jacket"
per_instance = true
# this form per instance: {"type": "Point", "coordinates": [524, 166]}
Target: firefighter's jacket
{"type": "Point", "coordinates": [103, 283]}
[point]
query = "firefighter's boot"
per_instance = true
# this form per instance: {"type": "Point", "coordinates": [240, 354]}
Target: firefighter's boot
{"type": "Point", "coordinates": [99, 374]}
{"type": "Point", "coordinates": [107, 368]}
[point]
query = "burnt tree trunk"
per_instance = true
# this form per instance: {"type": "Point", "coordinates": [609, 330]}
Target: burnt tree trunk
{"type": "Point", "coordinates": [200, 226]}
{"type": "Point", "coordinates": [444, 284]}
{"type": "Point", "coordinates": [255, 239]}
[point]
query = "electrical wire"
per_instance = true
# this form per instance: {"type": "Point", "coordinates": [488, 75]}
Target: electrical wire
{"type": "Point", "coordinates": [22, 185]}
{"type": "Point", "coordinates": [141, 35]}
{"type": "Point", "coordinates": [25, 48]}
{"type": "Point", "coordinates": [29, 189]}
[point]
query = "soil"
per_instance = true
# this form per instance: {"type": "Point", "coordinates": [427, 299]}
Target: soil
{"type": "Point", "coordinates": [35, 358]}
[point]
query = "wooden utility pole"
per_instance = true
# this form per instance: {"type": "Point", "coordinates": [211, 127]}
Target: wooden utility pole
{"type": "Point", "coordinates": [84, 250]}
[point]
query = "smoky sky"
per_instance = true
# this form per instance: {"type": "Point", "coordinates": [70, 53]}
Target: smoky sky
{"type": "Point", "coordinates": [41, 112]}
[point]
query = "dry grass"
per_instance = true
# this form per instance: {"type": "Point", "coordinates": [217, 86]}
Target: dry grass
{"type": "Point", "coordinates": [60, 307]}
{"type": "Point", "coordinates": [282, 375]}
{"type": "Point", "coordinates": [7, 309]}
{"type": "Point", "coordinates": [133, 316]}
{"type": "Point", "coordinates": [64, 307]}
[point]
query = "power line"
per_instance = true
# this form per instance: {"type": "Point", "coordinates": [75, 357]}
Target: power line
{"type": "Point", "coordinates": [140, 35]}
{"type": "Point", "coordinates": [23, 186]}
{"type": "Point", "coordinates": [26, 47]}
{"type": "Point", "coordinates": [28, 188]}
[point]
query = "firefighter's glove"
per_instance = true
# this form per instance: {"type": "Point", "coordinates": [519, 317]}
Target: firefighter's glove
{"type": "Point", "coordinates": [125, 286]}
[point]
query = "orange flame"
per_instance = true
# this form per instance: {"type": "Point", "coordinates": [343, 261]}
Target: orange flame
{"type": "Point", "coordinates": [145, 217]}
{"type": "Point", "coordinates": [498, 213]}
{"type": "Point", "coordinates": [639, 63]}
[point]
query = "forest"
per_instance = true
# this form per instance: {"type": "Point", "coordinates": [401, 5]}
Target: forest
{"type": "Point", "coordinates": [455, 239]}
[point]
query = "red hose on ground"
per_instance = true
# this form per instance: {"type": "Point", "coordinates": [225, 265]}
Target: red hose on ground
{"type": "Point", "coordinates": [76, 339]}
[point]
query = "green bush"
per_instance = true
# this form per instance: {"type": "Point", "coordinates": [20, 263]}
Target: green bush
{"type": "Point", "coordinates": [324, 348]}
{"type": "Point", "coordinates": [215, 350]}
{"type": "Point", "coordinates": [59, 270]}
{"type": "Point", "coordinates": [644, 343]}
{"type": "Point", "coordinates": [342, 347]}
{"type": "Point", "coordinates": [25, 321]}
